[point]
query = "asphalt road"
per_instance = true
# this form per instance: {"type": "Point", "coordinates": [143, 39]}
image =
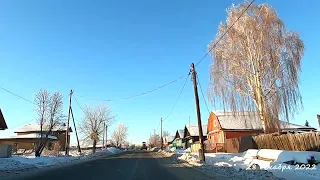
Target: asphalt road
{"type": "Point", "coordinates": [140, 165]}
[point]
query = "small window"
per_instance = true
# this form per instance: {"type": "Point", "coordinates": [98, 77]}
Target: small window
{"type": "Point", "coordinates": [212, 140]}
{"type": "Point", "coordinates": [215, 123]}
{"type": "Point", "coordinates": [220, 138]}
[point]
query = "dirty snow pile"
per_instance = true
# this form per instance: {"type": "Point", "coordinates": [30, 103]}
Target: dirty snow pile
{"type": "Point", "coordinates": [17, 164]}
{"type": "Point", "coordinates": [237, 166]}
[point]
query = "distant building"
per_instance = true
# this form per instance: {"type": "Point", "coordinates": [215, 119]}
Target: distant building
{"type": "Point", "coordinates": [29, 135]}
{"type": "Point", "coordinates": [226, 125]}
{"type": "Point", "coordinates": [3, 124]}
{"type": "Point", "coordinates": [178, 141]}
{"type": "Point", "coordinates": [191, 134]}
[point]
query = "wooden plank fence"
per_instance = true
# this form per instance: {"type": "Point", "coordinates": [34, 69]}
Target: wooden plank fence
{"type": "Point", "coordinates": [290, 142]}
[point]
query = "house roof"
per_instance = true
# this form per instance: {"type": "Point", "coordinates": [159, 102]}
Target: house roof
{"type": "Point", "coordinates": [179, 133]}
{"type": "Point", "coordinates": [287, 126]}
{"type": "Point", "coordinates": [169, 138]}
{"type": "Point", "coordinates": [249, 121]}
{"type": "Point", "coordinates": [30, 136]}
{"type": "Point", "coordinates": [36, 128]}
{"type": "Point", "coordinates": [194, 130]}
{"type": "Point", "coordinates": [3, 124]}
{"type": "Point", "coordinates": [243, 121]}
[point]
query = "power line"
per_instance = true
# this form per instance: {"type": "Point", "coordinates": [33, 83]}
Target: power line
{"type": "Point", "coordinates": [137, 95]}
{"type": "Point", "coordinates": [78, 103]}
{"type": "Point", "coordinates": [21, 124]}
{"type": "Point", "coordinates": [178, 97]}
{"type": "Point", "coordinates": [224, 33]}
{"type": "Point", "coordinates": [202, 94]}
{"type": "Point", "coordinates": [17, 95]}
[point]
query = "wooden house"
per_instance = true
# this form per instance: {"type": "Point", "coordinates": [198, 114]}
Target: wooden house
{"type": "Point", "coordinates": [178, 140]}
{"type": "Point", "coordinates": [167, 141]}
{"type": "Point", "coordinates": [191, 134]}
{"type": "Point", "coordinates": [28, 137]}
{"type": "Point", "coordinates": [3, 124]}
{"type": "Point", "coordinates": [226, 125]}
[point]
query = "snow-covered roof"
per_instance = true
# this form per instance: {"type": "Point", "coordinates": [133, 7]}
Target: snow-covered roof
{"type": "Point", "coordinates": [240, 121]}
{"type": "Point", "coordinates": [30, 136]}
{"type": "Point", "coordinates": [194, 130]}
{"type": "Point", "coordinates": [3, 124]}
{"type": "Point", "coordinates": [249, 121]}
{"type": "Point", "coordinates": [36, 128]}
{"type": "Point", "coordinates": [169, 139]}
{"type": "Point", "coordinates": [286, 125]}
{"type": "Point", "coordinates": [181, 133]}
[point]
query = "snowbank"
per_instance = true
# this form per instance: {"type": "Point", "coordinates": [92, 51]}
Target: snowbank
{"type": "Point", "coordinates": [113, 150]}
{"type": "Point", "coordinates": [245, 164]}
{"type": "Point", "coordinates": [25, 163]}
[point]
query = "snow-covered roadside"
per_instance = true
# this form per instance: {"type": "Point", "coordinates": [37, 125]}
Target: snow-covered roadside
{"type": "Point", "coordinates": [238, 165]}
{"type": "Point", "coordinates": [18, 164]}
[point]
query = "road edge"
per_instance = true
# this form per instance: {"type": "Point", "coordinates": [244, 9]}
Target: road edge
{"type": "Point", "coordinates": [38, 170]}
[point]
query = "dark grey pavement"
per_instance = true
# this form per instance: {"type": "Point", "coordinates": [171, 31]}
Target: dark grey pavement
{"type": "Point", "coordinates": [129, 166]}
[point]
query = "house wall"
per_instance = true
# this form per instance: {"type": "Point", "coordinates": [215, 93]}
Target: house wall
{"type": "Point", "coordinates": [236, 134]}
{"type": "Point", "coordinates": [61, 137]}
{"type": "Point", "coordinates": [26, 144]}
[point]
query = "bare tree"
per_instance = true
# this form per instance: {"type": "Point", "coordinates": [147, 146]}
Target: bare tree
{"type": "Point", "coordinates": [49, 110]}
{"type": "Point", "coordinates": [93, 123]}
{"type": "Point", "coordinates": [119, 135]}
{"type": "Point", "coordinates": [41, 100]}
{"type": "Point", "coordinates": [165, 134]}
{"type": "Point", "coordinates": [155, 140]}
{"type": "Point", "coordinates": [256, 65]}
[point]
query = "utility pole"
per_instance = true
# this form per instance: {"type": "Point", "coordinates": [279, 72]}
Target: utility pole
{"type": "Point", "coordinates": [161, 134]}
{"type": "Point", "coordinates": [155, 139]}
{"type": "Point", "coordinates": [189, 120]}
{"type": "Point", "coordinates": [201, 151]}
{"type": "Point", "coordinates": [106, 135]}
{"type": "Point", "coordinates": [75, 129]}
{"type": "Point", "coordinates": [104, 128]}
{"type": "Point", "coordinates": [67, 131]}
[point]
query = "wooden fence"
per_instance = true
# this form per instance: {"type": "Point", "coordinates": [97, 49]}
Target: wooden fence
{"type": "Point", "coordinates": [290, 142]}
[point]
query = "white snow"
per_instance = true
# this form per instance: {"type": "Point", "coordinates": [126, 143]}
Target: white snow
{"type": "Point", "coordinates": [16, 163]}
{"type": "Point", "coordinates": [29, 136]}
{"type": "Point", "coordinates": [221, 163]}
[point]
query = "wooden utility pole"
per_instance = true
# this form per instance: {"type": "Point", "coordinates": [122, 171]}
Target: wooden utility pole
{"type": "Point", "coordinates": [106, 135]}
{"type": "Point", "coordinates": [155, 139]}
{"type": "Point", "coordinates": [75, 129]}
{"type": "Point", "coordinates": [161, 134]}
{"type": "Point", "coordinates": [201, 151]}
{"type": "Point", "coordinates": [67, 131]}
{"type": "Point", "coordinates": [318, 117]}
{"type": "Point", "coordinates": [104, 128]}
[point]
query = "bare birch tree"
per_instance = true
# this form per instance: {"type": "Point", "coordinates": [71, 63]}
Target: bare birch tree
{"type": "Point", "coordinates": [49, 109]}
{"type": "Point", "coordinates": [119, 135]}
{"type": "Point", "coordinates": [256, 65]}
{"type": "Point", "coordinates": [41, 100]}
{"type": "Point", "coordinates": [93, 123]}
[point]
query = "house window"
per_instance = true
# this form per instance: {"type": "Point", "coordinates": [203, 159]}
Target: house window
{"type": "Point", "coordinates": [215, 123]}
{"type": "Point", "coordinates": [220, 138]}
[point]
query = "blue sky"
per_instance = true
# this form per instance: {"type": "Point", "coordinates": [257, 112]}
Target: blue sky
{"type": "Point", "coordinates": [111, 49]}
